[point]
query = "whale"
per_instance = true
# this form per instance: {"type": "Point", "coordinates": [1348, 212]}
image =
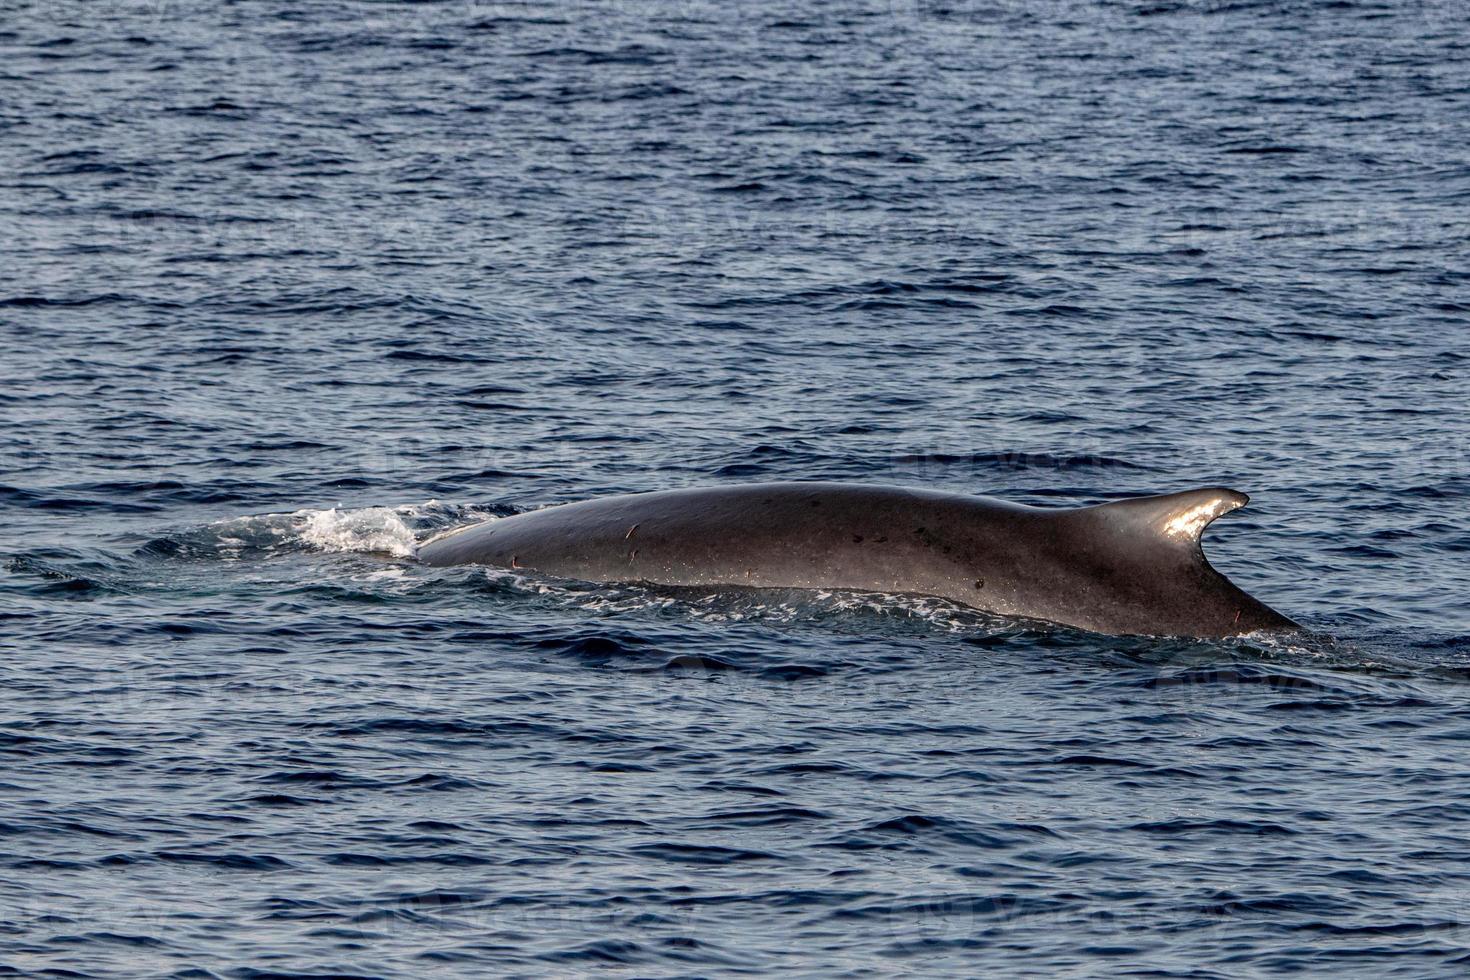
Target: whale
{"type": "Point", "coordinates": [1133, 566]}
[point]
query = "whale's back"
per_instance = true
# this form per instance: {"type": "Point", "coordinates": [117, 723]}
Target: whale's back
{"type": "Point", "coordinates": [1132, 566]}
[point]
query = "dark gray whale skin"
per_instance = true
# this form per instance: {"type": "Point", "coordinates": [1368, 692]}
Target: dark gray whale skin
{"type": "Point", "coordinates": [1127, 567]}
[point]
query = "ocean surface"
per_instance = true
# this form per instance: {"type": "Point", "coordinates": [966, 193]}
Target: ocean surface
{"type": "Point", "coordinates": [288, 287]}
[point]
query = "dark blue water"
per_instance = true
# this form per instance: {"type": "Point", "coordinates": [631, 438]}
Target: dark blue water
{"type": "Point", "coordinates": [287, 287]}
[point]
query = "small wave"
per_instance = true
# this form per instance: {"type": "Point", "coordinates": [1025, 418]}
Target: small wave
{"type": "Point", "coordinates": [917, 831]}
{"type": "Point", "coordinates": [1022, 460]}
{"type": "Point", "coordinates": [393, 531]}
{"type": "Point", "coordinates": [372, 529]}
{"type": "Point", "coordinates": [733, 604]}
{"type": "Point", "coordinates": [700, 854]}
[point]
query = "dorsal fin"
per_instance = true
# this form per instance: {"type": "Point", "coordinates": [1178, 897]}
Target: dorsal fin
{"type": "Point", "coordinates": [1180, 517]}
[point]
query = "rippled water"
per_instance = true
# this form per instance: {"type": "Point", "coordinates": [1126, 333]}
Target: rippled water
{"type": "Point", "coordinates": [289, 287]}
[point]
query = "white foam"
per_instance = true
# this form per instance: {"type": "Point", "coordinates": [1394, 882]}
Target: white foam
{"type": "Point", "coordinates": [392, 531]}
{"type": "Point", "coordinates": [774, 606]}
{"type": "Point", "coordinates": [379, 530]}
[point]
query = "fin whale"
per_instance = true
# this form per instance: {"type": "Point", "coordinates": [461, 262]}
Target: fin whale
{"type": "Point", "coordinates": [1131, 566]}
